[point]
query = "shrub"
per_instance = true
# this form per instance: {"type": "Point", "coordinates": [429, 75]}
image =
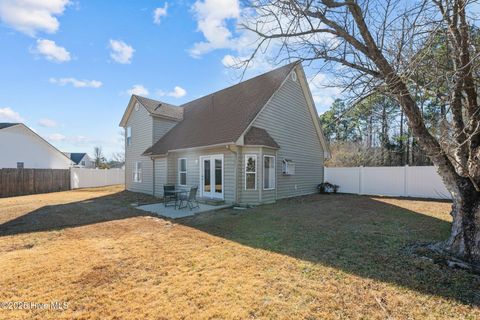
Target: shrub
{"type": "Point", "coordinates": [327, 187]}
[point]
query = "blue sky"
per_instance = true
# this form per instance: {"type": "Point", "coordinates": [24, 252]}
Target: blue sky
{"type": "Point", "coordinates": [68, 67]}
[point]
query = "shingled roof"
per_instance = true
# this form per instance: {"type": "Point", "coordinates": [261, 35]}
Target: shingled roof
{"type": "Point", "coordinates": [160, 108]}
{"type": "Point", "coordinates": [259, 137]}
{"type": "Point", "coordinates": [223, 116]}
{"type": "Point", "coordinates": [77, 157]}
{"type": "Point", "coordinates": [4, 125]}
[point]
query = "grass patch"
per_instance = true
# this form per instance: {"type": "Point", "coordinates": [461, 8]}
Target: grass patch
{"type": "Point", "coordinates": [320, 256]}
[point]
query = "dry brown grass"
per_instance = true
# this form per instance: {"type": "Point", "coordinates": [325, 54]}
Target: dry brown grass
{"type": "Point", "coordinates": [307, 258]}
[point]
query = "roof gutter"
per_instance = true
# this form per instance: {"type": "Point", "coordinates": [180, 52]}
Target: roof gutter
{"type": "Point", "coordinates": [152, 155]}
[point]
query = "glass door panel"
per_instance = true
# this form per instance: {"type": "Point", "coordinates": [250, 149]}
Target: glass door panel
{"type": "Point", "coordinates": [207, 176]}
{"type": "Point", "coordinates": [218, 176]}
{"type": "Point", "coordinates": [211, 179]}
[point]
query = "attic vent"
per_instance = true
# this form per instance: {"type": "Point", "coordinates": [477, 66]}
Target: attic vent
{"type": "Point", "coordinates": [137, 106]}
{"type": "Point", "coordinates": [294, 76]}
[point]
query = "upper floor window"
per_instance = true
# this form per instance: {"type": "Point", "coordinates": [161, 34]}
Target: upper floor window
{"type": "Point", "coordinates": [129, 136]}
{"type": "Point", "coordinates": [20, 165]}
{"type": "Point", "coordinates": [182, 171]}
{"type": "Point", "coordinates": [137, 172]}
{"type": "Point", "coordinates": [250, 172]}
{"type": "Point", "coordinates": [268, 172]}
{"type": "Point", "coordinates": [83, 163]}
{"type": "Point", "coordinates": [288, 167]}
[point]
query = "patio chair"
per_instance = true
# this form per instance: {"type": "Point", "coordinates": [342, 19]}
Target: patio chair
{"type": "Point", "coordinates": [169, 196]}
{"type": "Point", "coordinates": [190, 199]}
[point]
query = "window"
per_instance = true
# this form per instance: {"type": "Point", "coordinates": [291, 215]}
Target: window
{"type": "Point", "coordinates": [268, 172]}
{"type": "Point", "coordinates": [137, 172]}
{"type": "Point", "coordinates": [250, 172]}
{"type": "Point", "coordinates": [182, 171]}
{"type": "Point", "coordinates": [129, 136]}
{"type": "Point", "coordinates": [288, 167]}
{"type": "Point", "coordinates": [19, 165]}
{"type": "Point", "coordinates": [83, 163]}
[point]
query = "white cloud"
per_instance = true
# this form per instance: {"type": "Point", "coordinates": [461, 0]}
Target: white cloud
{"type": "Point", "coordinates": [77, 83]}
{"type": "Point", "coordinates": [230, 61]}
{"type": "Point", "coordinates": [51, 51]}
{"type": "Point", "coordinates": [57, 137]}
{"type": "Point", "coordinates": [177, 92]}
{"type": "Point", "coordinates": [79, 140]}
{"type": "Point", "coordinates": [158, 13]}
{"type": "Point", "coordinates": [121, 52]}
{"type": "Point", "coordinates": [76, 140]}
{"type": "Point", "coordinates": [48, 123]}
{"type": "Point", "coordinates": [139, 90]}
{"type": "Point", "coordinates": [323, 94]}
{"type": "Point", "coordinates": [212, 16]}
{"type": "Point", "coordinates": [8, 114]}
{"type": "Point", "coordinates": [32, 16]}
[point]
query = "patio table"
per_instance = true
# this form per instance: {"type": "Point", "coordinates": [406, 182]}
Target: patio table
{"type": "Point", "coordinates": [177, 192]}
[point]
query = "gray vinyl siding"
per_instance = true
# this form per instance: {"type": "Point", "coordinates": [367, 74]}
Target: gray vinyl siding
{"type": "Point", "coordinates": [160, 175]}
{"type": "Point", "coordinates": [161, 126]}
{"type": "Point", "coordinates": [193, 169]}
{"type": "Point", "coordinates": [287, 119]}
{"type": "Point", "coordinates": [142, 125]}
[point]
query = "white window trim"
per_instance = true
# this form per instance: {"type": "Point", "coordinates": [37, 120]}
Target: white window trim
{"type": "Point", "coordinates": [250, 172]}
{"type": "Point", "coordinates": [180, 172]}
{"type": "Point", "coordinates": [136, 173]}
{"type": "Point", "coordinates": [274, 172]}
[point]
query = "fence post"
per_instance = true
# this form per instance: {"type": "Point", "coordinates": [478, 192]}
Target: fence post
{"type": "Point", "coordinates": [405, 180]}
{"type": "Point", "coordinates": [360, 177]}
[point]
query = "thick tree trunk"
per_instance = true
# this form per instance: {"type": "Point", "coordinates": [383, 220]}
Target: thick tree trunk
{"type": "Point", "coordinates": [464, 241]}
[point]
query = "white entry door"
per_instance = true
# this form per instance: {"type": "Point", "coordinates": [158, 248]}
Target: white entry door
{"type": "Point", "coordinates": [211, 176]}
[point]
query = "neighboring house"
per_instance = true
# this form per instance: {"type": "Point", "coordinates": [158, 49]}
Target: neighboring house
{"type": "Point", "coordinates": [20, 147]}
{"type": "Point", "coordinates": [251, 143]}
{"type": "Point", "coordinates": [81, 160]}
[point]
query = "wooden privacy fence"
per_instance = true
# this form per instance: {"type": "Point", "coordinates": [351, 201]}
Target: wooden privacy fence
{"type": "Point", "coordinates": [418, 182]}
{"type": "Point", "coordinates": [18, 182]}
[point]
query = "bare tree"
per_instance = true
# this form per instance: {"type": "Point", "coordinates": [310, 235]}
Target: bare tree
{"type": "Point", "coordinates": [98, 157]}
{"type": "Point", "coordinates": [119, 157]}
{"type": "Point", "coordinates": [386, 46]}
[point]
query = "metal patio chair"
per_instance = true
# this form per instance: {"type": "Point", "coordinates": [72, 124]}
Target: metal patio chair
{"type": "Point", "coordinates": [169, 196]}
{"type": "Point", "coordinates": [190, 199]}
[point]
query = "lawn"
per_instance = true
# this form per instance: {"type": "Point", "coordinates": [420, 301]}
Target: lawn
{"type": "Point", "coordinates": [314, 257]}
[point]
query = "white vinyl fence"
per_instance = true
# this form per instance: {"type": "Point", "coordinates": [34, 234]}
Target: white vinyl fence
{"type": "Point", "coordinates": [421, 182]}
{"type": "Point", "coordinates": [88, 178]}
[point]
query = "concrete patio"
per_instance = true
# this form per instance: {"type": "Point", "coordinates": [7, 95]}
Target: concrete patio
{"type": "Point", "coordinates": [173, 213]}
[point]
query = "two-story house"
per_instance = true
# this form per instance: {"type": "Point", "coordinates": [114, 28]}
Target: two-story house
{"type": "Point", "coordinates": [251, 143]}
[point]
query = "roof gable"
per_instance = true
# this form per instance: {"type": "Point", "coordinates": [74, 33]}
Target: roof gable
{"type": "Point", "coordinates": [29, 131]}
{"type": "Point", "coordinates": [223, 116]}
{"type": "Point", "coordinates": [77, 157]}
{"type": "Point", "coordinates": [154, 108]}
{"type": "Point", "coordinates": [259, 137]}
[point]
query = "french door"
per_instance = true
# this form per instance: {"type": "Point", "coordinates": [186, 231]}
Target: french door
{"type": "Point", "coordinates": [211, 176]}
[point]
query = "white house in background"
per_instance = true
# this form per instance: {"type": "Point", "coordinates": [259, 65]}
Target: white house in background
{"type": "Point", "coordinates": [81, 160]}
{"type": "Point", "coordinates": [20, 147]}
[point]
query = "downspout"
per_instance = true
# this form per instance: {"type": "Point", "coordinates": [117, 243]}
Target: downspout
{"type": "Point", "coordinates": [235, 198]}
{"type": "Point", "coordinates": [260, 169]}
{"type": "Point", "coordinates": [153, 165]}
{"type": "Point", "coordinates": [276, 175]}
